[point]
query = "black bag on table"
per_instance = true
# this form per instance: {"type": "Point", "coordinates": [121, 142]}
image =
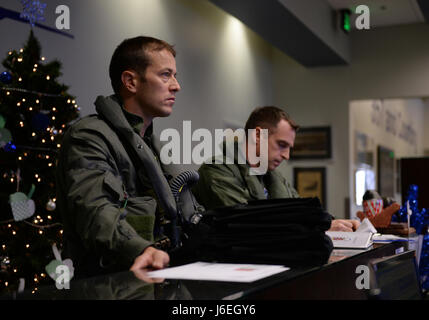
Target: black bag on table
{"type": "Point", "coordinates": [290, 232]}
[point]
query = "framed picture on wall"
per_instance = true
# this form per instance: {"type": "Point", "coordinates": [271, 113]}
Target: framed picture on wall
{"type": "Point", "coordinates": [312, 143]}
{"type": "Point", "coordinates": [311, 182]}
{"type": "Point", "coordinates": [386, 172]}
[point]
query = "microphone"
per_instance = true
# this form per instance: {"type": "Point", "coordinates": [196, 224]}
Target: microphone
{"type": "Point", "coordinates": [187, 207]}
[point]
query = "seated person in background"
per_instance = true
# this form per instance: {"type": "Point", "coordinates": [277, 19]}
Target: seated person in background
{"type": "Point", "coordinates": [229, 184]}
{"type": "Point", "coordinates": [112, 190]}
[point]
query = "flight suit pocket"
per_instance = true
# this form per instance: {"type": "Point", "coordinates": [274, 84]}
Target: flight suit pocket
{"type": "Point", "coordinates": [140, 214]}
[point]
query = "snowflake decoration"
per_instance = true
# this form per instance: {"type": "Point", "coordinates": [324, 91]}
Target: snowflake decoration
{"type": "Point", "coordinates": [33, 11]}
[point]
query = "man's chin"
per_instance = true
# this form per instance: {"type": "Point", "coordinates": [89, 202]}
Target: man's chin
{"type": "Point", "coordinates": [165, 112]}
{"type": "Point", "coordinates": [273, 166]}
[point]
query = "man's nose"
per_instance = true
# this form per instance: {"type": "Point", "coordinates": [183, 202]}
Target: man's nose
{"type": "Point", "coordinates": [175, 86]}
{"type": "Point", "coordinates": [286, 154]}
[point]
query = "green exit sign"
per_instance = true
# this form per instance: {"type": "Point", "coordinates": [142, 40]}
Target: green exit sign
{"type": "Point", "coordinates": [345, 20]}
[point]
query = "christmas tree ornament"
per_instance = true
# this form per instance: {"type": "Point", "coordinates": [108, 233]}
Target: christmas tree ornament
{"type": "Point", "coordinates": [40, 122]}
{"type": "Point", "coordinates": [5, 137]}
{"type": "Point", "coordinates": [21, 285]}
{"type": "Point", "coordinates": [2, 121]}
{"type": "Point", "coordinates": [22, 205]}
{"type": "Point", "coordinates": [4, 263]}
{"type": "Point", "coordinates": [10, 147]}
{"type": "Point", "coordinates": [5, 77]}
{"type": "Point", "coordinates": [51, 205]}
{"type": "Point", "coordinates": [33, 11]}
{"type": "Point", "coordinates": [52, 268]}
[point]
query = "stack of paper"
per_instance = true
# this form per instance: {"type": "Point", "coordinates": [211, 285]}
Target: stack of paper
{"type": "Point", "coordinates": [219, 272]}
{"type": "Point", "coordinates": [386, 238]}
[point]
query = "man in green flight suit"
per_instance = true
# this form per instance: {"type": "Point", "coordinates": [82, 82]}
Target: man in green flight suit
{"type": "Point", "coordinates": [226, 183]}
{"type": "Point", "coordinates": [113, 193]}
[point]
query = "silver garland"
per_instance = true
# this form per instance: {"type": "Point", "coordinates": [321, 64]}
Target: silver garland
{"type": "Point", "coordinates": [32, 92]}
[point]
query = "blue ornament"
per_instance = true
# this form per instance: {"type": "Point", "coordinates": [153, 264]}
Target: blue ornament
{"type": "Point", "coordinates": [40, 122]}
{"type": "Point", "coordinates": [10, 147]}
{"type": "Point", "coordinates": [33, 11]}
{"type": "Point", "coordinates": [5, 77]}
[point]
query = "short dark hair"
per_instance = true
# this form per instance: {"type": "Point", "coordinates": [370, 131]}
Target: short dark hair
{"type": "Point", "coordinates": [268, 117]}
{"type": "Point", "coordinates": [131, 54]}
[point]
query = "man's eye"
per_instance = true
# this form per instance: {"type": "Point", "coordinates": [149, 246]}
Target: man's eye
{"type": "Point", "coordinates": [283, 145]}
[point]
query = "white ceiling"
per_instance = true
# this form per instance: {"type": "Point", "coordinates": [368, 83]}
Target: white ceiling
{"type": "Point", "coordinates": [385, 13]}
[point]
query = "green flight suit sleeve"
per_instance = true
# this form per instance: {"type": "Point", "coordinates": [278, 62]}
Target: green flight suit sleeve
{"type": "Point", "coordinates": [94, 202]}
{"type": "Point", "coordinates": [219, 187]}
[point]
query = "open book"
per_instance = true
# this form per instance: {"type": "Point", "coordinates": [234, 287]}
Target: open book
{"type": "Point", "coordinates": [352, 240]}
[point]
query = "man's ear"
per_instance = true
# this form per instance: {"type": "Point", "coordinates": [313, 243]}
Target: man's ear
{"type": "Point", "coordinates": [129, 81]}
{"type": "Point", "coordinates": [252, 136]}
{"type": "Point", "coordinates": [258, 134]}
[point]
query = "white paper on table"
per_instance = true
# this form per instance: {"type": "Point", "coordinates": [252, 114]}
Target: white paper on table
{"type": "Point", "coordinates": [385, 238]}
{"type": "Point", "coordinates": [219, 272]}
{"type": "Point", "coordinates": [366, 226]}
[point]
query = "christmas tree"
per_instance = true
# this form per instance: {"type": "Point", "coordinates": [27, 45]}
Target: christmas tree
{"type": "Point", "coordinates": [35, 111]}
